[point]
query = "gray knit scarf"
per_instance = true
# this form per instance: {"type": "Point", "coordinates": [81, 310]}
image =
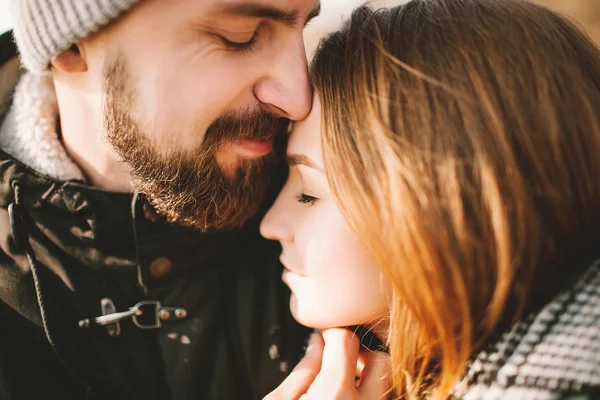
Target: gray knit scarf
{"type": "Point", "coordinates": [554, 354]}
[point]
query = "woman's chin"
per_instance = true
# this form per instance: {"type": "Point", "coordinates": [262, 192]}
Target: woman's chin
{"type": "Point", "coordinates": [302, 315]}
{"type": "Point", "coordinates": [312, 316]}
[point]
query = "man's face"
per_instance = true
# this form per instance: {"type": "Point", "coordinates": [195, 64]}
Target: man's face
{"type": "Point", "coordinates": [194, 91]}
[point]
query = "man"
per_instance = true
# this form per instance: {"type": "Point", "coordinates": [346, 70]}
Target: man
{"type": "Point", "coordinates": [136, 148]}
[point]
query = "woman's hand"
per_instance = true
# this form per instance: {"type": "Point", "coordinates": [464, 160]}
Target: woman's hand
{"type": "Point", "coordinates": [330, 369]}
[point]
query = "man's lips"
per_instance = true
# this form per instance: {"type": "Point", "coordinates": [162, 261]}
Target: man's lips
{"type": "Point", "coordinates": [253, 148]}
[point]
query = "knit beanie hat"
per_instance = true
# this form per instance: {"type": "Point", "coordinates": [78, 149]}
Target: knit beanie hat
{"type": "Point", "coordinates": [45, 28]}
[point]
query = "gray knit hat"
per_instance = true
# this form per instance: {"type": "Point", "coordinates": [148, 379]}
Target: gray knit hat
{"type": "Point", "coordinates": [44, 28]}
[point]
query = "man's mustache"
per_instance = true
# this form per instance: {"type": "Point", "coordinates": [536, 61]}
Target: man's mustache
{"type": "Point", "coordinates": [253, 125]}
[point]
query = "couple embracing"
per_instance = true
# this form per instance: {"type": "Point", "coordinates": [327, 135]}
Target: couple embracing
{"type": "Point", "coordinates": [435, 201]}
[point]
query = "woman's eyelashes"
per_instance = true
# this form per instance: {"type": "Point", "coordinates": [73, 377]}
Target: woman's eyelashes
{"type": "Point", "coordinates": [307, 199]}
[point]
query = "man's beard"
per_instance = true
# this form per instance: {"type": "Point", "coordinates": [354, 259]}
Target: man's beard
{"type": "Point", "coordinates": [187, 185]}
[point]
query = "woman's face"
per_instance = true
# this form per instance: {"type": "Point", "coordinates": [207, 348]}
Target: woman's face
{"type": "Point", "coordinates": [333, 280]}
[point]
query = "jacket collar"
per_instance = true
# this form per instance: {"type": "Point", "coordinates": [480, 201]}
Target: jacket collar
{"type": "Point", "coordinates": [29, 118]}
{"type": "Point", "coordinates": [29, 129]}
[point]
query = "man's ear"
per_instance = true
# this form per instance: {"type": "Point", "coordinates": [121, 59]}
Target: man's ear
{"type": "Point", "coordinates": [71, 60]}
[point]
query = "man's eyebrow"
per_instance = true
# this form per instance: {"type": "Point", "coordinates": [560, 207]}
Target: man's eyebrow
{"type": "Point", "coordinates": [255, 10]}
{"type": "Point", "coordinates": [301, 159]}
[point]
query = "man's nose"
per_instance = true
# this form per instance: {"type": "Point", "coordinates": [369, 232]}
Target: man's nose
{"type": "Point", "coordinates": [286, 91]}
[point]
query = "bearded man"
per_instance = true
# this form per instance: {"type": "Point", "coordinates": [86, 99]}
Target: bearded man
{"type": "Point", "coordinates": [137, 151]}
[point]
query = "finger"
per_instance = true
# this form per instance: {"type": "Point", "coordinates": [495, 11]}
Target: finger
{"type": "Point", "coordinates": [375, 379]}
{"type": "Point", "coordinates": [300, 379]}
{"type": "Point", "coordinates": [340, 357]}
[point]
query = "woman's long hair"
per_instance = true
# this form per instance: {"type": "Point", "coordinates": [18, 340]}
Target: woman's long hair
{"type": "Point", "coordinates": [462, 141]}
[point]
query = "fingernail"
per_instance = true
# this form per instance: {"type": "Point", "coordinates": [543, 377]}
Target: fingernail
{"type": "Point", "coordinates": [308, 341]}
{"type": "Point", "coordinates": [313, 338]}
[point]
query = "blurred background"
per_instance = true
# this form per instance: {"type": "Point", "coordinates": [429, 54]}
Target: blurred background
{"type": "Point", "coordinates": [585, 12]}
{"type": "Point", "coordinates": [5, 22]}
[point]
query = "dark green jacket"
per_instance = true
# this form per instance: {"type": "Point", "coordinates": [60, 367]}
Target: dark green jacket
{"type": "Point", "coordinates": [66, 246]}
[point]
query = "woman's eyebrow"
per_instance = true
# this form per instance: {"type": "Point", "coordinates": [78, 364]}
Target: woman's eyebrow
{"type": "Point", "coordinates": [301, 159]}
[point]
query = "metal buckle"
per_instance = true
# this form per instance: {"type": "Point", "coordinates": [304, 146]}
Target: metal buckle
{"type": "Point", "coordinates": [147, 314]}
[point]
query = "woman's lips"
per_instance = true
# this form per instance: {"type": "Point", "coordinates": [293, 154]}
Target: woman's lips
{"type": "Point", "coordinates": [289, 272]}
{"type": "Point", "coordinates": [288, 276]}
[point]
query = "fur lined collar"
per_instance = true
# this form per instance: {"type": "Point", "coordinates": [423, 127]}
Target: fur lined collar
{"type": "Point", "coordinates": [28, 131]}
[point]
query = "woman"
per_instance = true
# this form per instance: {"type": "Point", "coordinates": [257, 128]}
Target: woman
{"type": "Point", "coordinates": [445, 193]}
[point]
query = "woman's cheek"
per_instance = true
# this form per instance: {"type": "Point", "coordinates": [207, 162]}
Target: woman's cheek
{"type": "Point", "coordinates": [316, 240]}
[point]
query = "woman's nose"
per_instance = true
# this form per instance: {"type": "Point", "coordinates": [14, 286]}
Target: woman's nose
{"type": "Point", "coordinates": [275, 225]}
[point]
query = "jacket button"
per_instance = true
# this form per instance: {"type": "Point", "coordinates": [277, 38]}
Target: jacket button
{"type": "Point", "coordinates": [160, 267]}
{"type": "Point", "coordinates": [150, 212]}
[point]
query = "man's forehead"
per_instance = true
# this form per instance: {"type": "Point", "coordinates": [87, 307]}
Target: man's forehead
{"type": "Point", "coordinates": [283, 4]}
{"type": "Point", "coordinates": [285, 10]}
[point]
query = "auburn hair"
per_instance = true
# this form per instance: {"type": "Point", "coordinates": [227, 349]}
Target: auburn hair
{"type": "Point", "coordinates": [461, 139]}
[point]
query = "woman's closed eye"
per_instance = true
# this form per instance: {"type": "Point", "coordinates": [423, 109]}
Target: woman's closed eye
{"type": "Point", "coordinates": [307, 199]}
